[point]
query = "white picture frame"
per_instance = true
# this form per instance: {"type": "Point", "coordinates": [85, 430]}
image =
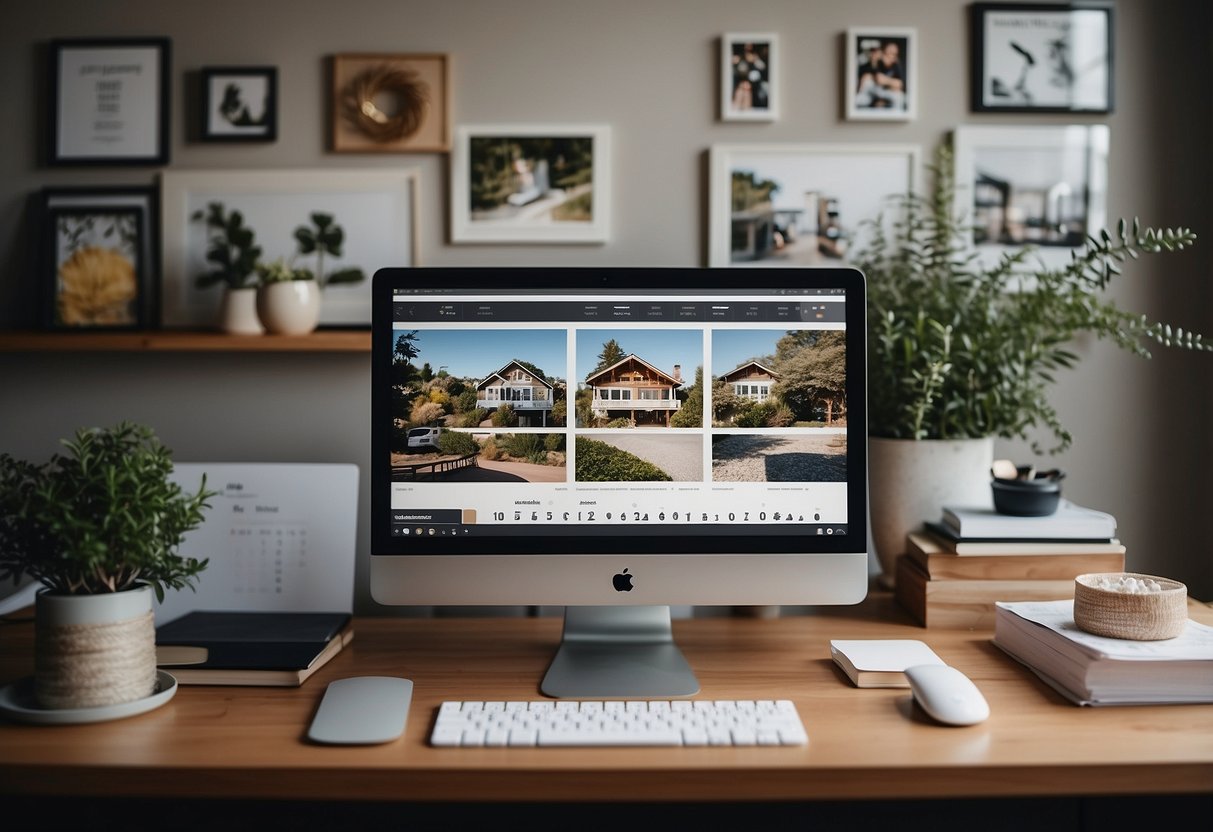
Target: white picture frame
{"type": "Point", "coordinates": [531, 184]}
{"type": "Point", "coordinates": [827, 194]}
{"type": "Point", "coordinates": [1042, 186]}
{"type": "Point", "coordinates": [376, 208]}
{"type": "Point", "coordinates": [749, 87]}
{"type": "Point", "coordinates": [887, 91]}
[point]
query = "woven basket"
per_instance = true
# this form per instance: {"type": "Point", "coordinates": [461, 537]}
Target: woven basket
{"type": "Point", "coordinates": [1146, 617]}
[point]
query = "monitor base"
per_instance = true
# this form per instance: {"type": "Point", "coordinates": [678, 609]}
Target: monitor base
{"type": "Point", "coordinates": [618, 653]}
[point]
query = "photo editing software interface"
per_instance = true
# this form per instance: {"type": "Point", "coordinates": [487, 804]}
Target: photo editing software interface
{"type": "Point", "coordinates": [599, 414]}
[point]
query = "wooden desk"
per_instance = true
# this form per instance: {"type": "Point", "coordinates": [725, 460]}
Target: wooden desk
{"type": "Point", "coordinates": [226, 742]}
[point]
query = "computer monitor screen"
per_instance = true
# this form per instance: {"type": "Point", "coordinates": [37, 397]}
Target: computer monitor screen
{"type": "Point", "coordinates": [601, 439]}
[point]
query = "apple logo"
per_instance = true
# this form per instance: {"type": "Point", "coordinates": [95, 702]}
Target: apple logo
{"type": "Point", "coordinates": [622, 582]}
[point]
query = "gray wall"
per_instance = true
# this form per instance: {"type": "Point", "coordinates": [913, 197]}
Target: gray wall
{"type": "Point", "coordinates": [1142, 451]}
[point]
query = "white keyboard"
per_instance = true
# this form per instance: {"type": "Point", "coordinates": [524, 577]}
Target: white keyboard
{"type": "Point", "coordinates": [571, 723]}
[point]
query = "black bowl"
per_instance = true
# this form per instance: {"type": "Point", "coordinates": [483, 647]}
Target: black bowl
{"type": "Point", "coordinates": [1026, 498]}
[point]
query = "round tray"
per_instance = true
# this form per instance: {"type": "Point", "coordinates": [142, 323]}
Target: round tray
{"type": "Point", "coordinates": [1146, 617]}
{"type": "Point", "coordinates": [17, 702]}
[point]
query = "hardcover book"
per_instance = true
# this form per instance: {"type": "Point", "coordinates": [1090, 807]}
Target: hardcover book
{"type": "Point", "coordinates": [950, 540]}
{"type": "Point", "coordinates": [1032, 561]}
{"type": "Point", "coordinates": [279, 649]}
{"type": "Point", "coordinates": [966, 604]}
{"type": "Point", "coordinates": [880, 663]}
{"type": "Point", "coordinates": [1069, 522]}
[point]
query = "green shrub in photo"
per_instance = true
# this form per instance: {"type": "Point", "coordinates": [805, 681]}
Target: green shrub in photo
{"type": "Point", "coordinates": [600, 462]}
{"type": "Point", "coordinates": [454, 442]}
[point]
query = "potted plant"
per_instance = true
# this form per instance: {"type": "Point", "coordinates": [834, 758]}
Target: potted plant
{"type": "Point", "coordinates": [233, 252]}
{"type": "Point", "coordinates": [288, 299]}
{"type": "Point", "coordinates": [960, 354]}
{"type": "Point", "coordinates": [99, 526]}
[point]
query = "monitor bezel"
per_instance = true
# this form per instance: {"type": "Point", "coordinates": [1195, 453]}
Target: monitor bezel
{"type": "Point", "coordinates": [386, 281]}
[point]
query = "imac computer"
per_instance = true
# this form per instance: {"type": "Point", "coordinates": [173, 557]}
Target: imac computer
{"type": "Point", "coordinates": [617, 441]}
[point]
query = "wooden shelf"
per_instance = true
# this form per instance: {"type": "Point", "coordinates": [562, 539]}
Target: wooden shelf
{"type": "Point", "coordinates": [324, 340]}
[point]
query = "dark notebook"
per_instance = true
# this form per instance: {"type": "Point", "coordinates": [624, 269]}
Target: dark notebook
{"type": "Point", "coordinates": [253, 648]}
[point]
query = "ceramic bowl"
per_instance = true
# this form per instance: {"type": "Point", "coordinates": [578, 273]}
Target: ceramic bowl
{"type": "Point", "coordinates": [1026, 498]}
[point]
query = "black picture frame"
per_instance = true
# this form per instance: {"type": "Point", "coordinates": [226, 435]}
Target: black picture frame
{"type": "Point", "coordinates": [88, 290]}
{"type": "Point", "coordinates": [227, 115]}
{"type": "Point", "coordinates": [1022, 58]}
{"type": "Point", "coordinates": [110, 101]}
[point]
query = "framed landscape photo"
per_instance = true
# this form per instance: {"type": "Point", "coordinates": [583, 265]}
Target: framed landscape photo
{"type": "Point", "coordinates": [389, 103]}
{"type": "Point", "coordinates": [1041, 58]}
{"type": "Point", "coordinates": [239, 104]}
{"type": "Point", "coordinates": [531, 184]}
{"type": "Point", "coordinates": [749, 77]}
{"type": "Point", "coordinates": [797, 205]}
{"type": "Point", "coordinates": [370, 221]}
{"type": "Point", "coordinates": [97, 277]}
{"type": "Point", "coordinates": [1043, 187]}
{"type": "Point", "coordinates": [882, 76]}
{"type": "Point", "coordinates": [109, 101]}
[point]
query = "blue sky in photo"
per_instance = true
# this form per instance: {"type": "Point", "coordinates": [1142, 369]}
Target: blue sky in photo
{"type": "Point", "coordinates": [476, 353]}
{"type": "Point", "coordinates": [663, 349]}
{"type": "Point", "coordinates": [731, 347]}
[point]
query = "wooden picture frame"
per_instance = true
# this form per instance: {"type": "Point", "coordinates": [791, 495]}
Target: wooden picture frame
{"type": "Point", "coordinates": [811, 203]}
{"type": "Point", "coordinates": [881, 79]}
{"type": "Point", "coordinates": [389, 103]}
{"type": "Point", "coordinates": [1041, 58]}
{"type": "Point", "coordinates": [95, 277]}
{"type": "Point", "coordinates": [749, 76]}
{"type": "Point", "coordinates": [110, 101]}
{"type": "Point", "coordinates": [543, 188]}
{"type": "Point", "coordinates": [239, 104]}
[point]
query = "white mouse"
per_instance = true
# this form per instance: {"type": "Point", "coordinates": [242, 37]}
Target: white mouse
{"type": "Point", "coordinates": [946, 694]}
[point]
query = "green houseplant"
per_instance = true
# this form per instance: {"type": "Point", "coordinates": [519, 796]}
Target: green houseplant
{"type": "Point", "coordinates": [961, 353]}
{"type": "Point", "coordinates": [288, 299]}
{"type": "Point", "coordinates": [233, 253]}
{"type": "Point", "coordinates": [98, 526]}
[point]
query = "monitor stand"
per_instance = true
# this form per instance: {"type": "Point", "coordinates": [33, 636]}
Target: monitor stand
{"type": "Point", "coordinates": [618, 653]}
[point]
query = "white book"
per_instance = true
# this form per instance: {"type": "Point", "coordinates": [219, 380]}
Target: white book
{"type": "Point", "coordinates": [880, 663]}
{"type": "Point", "coordinates": [1069, 522]}
{"type": "Point", "coordinates": [1096, 670]}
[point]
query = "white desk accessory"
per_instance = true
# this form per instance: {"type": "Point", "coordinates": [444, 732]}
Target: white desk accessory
{"type": "Point", "coordinates": [947, 695]}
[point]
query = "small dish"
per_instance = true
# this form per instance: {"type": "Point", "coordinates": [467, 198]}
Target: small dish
{"type": "Point", "coordinates": [1145, 616]}
{"type": "Point", "coordinates": [17, 702]}
{"type": "Point", "coordinates": [1026, 498]}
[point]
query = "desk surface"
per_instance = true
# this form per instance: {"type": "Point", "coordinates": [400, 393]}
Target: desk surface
{"type": "Point", "coordinates": [863, 743]}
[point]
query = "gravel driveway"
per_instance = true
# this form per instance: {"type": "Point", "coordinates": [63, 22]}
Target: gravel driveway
{"type": "Point", "coordinates": [679, 456]}
{"type": "Point", "coordinates": [758, 458]}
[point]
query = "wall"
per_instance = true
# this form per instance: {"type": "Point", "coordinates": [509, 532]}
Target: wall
{"type": "Point", "coordinates": [1142, 447]}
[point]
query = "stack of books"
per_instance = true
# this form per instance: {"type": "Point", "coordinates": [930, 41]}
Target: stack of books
{"type": "Point", "coordinates": [1095, 670]}
{"type": "Point", "coordinates": [956, 569]}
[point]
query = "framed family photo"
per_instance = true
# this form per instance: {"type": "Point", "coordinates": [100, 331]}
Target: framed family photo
{"type": "Point", "coordinates": [531, 184]}
{"type": "Point", "coordinates": [1039, 187]}
{"type": "Point", "coordinates": [240, 104]}
{"type": "Point", "coordinates": [109, 101]}
{"type": "Point", "coordinates": [797, 205]}
{"type": "Point", "coordinates": [390, 103]}
{"type": "Point", "coordinates": [749, 77]}
{"type": "Point", "coordinates": [1041, 58]}
{"type": "Point", "coordinates": [881, 78]}
{"type": "Point", "coordinates": [96, 275]}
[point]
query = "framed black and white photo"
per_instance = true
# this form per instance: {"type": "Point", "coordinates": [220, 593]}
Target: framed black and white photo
{"type": "Point", "coordinates": [749, 77]}
{"type": "Point", "coordinates": [1041, 58]}
{"type": "Point", "coordinates": [1040, 187]}
{"type": "Point", "coordinates": [96, 276]}
{"type": "Point", "coordinates": [881, 78]}
{"type": "Point", "coordinates": [531, 184]}
{"type": "Point", "coordinates": [798, 205]}
{"type": "Point", "coordinates": [109, 101]}
{"type": "Point", "coordinates": [240, 104]}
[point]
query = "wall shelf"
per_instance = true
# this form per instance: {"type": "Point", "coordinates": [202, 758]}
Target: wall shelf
{"type": "Point", "coordinates": [320, 341]}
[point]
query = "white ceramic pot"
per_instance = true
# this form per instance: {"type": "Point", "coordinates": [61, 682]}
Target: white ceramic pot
{"type": "Point", "coordinates": [92, 651]}
{"type": "Point", "coordinates": [289, 307]}
{"type": "Point", "coordinates": [238, 312]}
{"type": "Point", "coordinates": [910, 481]}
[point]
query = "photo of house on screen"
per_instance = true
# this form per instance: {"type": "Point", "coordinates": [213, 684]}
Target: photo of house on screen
{"type": "Point", "coordinates": [521, 388]}
{"type": "Point", "coordinates": [635, 390]}
{"type": "Point", "coordinates": [751, 381]}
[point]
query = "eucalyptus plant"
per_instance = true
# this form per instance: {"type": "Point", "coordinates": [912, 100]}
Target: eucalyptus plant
{"type": "Point", "coordinates": [231, 248]}
{"type": "Point", "coordinates": [959, 350]}
{"type": "Point", "coordinates": [102, 517]}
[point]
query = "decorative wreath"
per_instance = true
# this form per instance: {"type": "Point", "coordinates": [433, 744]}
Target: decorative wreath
{"type": "Point", "coordinates": [412, 95]}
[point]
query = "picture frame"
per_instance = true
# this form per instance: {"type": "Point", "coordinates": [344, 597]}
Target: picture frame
{"type": "Point", "coordinates": [377, 211]}
{"type": "Point", "coordinates": [96, 278]}
{"type": "Point", "coordinates": [881, 79]}
{"type": "Point", "coordinates": [239, 104]}
{"type": "Point", "coordinates": [110, 101]}
{"type": "Point", "coordinates": [749, 76]}
{"type": "Point", "coordinates": [811, 204]}
{"type": "Point", "coordinates": [1042, 186]}
{"type": "Point", "coordinates": [1041, 58]}
{"type": "Point", "coordinates": [546, 184]}
{"type": "Point", "coordinates": [390, 103]}
{"type": "Point", "coordinates": [145, 199]}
